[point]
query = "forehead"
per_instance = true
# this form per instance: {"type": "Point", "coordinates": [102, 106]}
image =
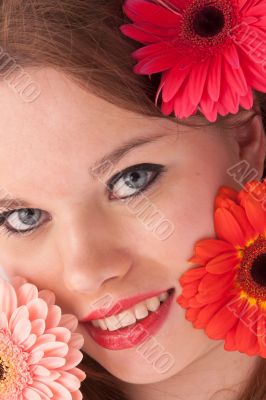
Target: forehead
{"type": "Point", "coordinates": [63, 105]}
{"type": "Point", "coordinates": [64, 129]}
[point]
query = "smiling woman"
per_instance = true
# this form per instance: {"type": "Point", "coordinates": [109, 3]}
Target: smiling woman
{"type": "Point", "coordinates": [86, 161]}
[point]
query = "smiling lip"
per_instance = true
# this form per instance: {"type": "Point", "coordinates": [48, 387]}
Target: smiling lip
{"type": "Point", "coordinates": [125, 338]}
{"type": "Point", "coordinates": [120, 306]}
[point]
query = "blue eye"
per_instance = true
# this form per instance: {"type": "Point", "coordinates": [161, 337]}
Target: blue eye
{"type": "Point", "coordinates": [20, 221]}
{"type": "Point", "coordinates": [134, 180]}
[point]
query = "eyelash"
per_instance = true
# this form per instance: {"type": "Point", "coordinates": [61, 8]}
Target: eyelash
{"type": "Point", "coordinates": [156, 168]}
{"type": "Point", "coordinates": [9, 231]}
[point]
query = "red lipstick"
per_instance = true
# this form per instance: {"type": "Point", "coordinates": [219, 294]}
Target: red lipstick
{"type": "Point", "coordinates": [135, 334]}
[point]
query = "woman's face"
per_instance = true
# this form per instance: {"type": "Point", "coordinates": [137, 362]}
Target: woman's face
{"type": "Point", "coordinates": [91, 241]}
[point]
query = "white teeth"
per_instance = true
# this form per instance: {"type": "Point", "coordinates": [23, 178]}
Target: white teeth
{"type": "Point", "coordinates": [102, 324]}
{"type": "Point", "coordinates": [126, 318]}
{"type": "Point", "coordinates": [153, 304]}
{"type": "Point", "coordinates": [130, 316]}
{"type": "Point", "coordinates": [112, 323]}
{"type": "Point", "coordinates": [141, 311]}
{"type": "Point", "coordinates": [163, 296]}
{"type": "Point", "coordinates": [95, 323]}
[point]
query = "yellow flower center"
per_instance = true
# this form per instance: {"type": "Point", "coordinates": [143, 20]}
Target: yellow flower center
{"type": "Point", "coordinates": [14, 369]}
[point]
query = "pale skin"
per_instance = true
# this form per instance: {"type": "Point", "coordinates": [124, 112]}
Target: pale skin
{"type": "Point", "coordinates": [86, 245]}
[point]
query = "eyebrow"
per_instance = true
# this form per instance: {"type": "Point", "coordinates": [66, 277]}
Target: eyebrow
{"type": "Point", "coordinates": [101, 166]}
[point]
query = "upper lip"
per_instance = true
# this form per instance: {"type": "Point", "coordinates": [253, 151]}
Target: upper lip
{"type": "Point", "coordinates": [119, 306]}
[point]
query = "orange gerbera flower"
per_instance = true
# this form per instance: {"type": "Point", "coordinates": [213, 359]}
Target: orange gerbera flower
{"type": "Point", "coordinates": [226, 294]}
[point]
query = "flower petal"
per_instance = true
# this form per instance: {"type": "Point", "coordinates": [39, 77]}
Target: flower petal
{"type": "Point", "coordinates": [20, 313]}
{"type": "Point", "coordinates": [190, 289]}
{"type": "Point", "coordinates": [214, 77]}
{"type": "Point", "coordinates": [60, 391]}
{"type": "Point", "coordinates": [255, 214]}
{"type": "Point", "coordinates": [61, 333]}
{"type": "Point", "coordinates": [52, 362]}
{"type": "Point", "coordinates": [229, 342]}
{"type": "Point", "coordinates": [3, 320]}
{"type": "Point", "coordinates": [29, 342]}
{"type": "Point", "coordinates": [69, 321]}
{"type": "Point", "coordinates": [40, 370]}
{"type": "Point", "coordinates": [48, 296]}
{"type": "Point", "coordinates": [158, 64]}
{"type": "Point", "coordinates": [210, 297]}
{"type": "Point", "coordinates": [261, 333]}
{"type": "Point", "coordinates": [223, 263]}
{"type": "Point", "coordinates": [221, 323]}
{"type": "Point", "coordinates": [8, 298]}
{"type": "Point", "coordinates": [143, 11]}
{"type": "Point", "coordinates": [207, 312]}
{"type": "Point", "coordinates": [174, 79]}
{"type": "Point", "coordinates": [210, 283]}
{"type": "Point", "coordinates": [53, 317]}
{"type": "Point", "coordinates": [236, 79]}
{"type": "Point", "coordinates": [26, 293]}
{"type": "Point", "coordinates": [207, 249]}
{"type": "Point", "coordinates": [38, 326]}
{"type": "Point", "coordinates": [246, 333]}
{"type": "Point", "coordinates": [197, 81]}
{"type": "Point", "coordinates": [21, 331]}
{"type": "Point", "coordinates": [231, 56]}
{"type": "Point", "coordinates": [42, 388]}
{"type": "Point", "coordinates": [192, 275]}
{"type": "Point", "coordinates": [31, 394]}
{"type": "Point", "coordinates": [37, 309]}
{"type": "Point", "coordinates": [77, 340]}
{"type": "Point", "coordinates": [73, 358]}
{"type": "Point", "coordinates": [53, 349]}
{"type": "Point", "coordinates": [79, 373]}
{"type": "Point", "coordinates": [227, 228]}
{"type": "Point", "coordinates": [192, 313]}
{"type": "Point", "coordinates": [71, 382]}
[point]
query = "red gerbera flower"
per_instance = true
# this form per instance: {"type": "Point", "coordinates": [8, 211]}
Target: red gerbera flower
{"type": "Point", "coordinates": [211, 53]}
{"type": "Point", "coordinates": [226, 294]}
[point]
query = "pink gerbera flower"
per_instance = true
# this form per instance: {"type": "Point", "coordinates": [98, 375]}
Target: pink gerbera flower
{"type": "Point", "coordinates": [211, 53]}
{"type": "Point", "coordinates": [39, 349]}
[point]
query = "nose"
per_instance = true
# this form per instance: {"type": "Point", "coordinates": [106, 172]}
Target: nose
{"type": "Point", "coordinates": [92, 255]}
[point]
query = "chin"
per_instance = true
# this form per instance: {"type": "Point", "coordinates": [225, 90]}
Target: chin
{"type": "Point", "coordinates": [138, 370]}
{"type": "Point", "coordinates": [145, 376]}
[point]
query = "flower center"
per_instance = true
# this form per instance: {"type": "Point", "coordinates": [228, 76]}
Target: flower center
{"type": "Point", "coordinates": [208, 21]}
{"type": "Point", "coordinates": [14, 369]}
{"type": "Point", "coordinates": [258, 270]}
{"type": "Point", "coordinates": [2, 372]}
{"type": "Point", "coordinates": [206, 27]}
{"type": "Point", "coordinates": [251, 275]}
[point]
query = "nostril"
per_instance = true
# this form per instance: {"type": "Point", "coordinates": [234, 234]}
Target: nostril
{"type": "Point", "coordinates": [88, 282]}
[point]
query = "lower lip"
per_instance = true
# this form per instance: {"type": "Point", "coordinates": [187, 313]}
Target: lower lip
{"type": "Point", "coordinates": [133, 335]}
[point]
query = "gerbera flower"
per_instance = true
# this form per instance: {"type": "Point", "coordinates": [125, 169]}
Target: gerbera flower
{"type": "Point", "coordinates": [226, 293]}
{"type": "Point", "coordinates": [39, 348]}
{"type": "Point", "coordinates": [211, 53]}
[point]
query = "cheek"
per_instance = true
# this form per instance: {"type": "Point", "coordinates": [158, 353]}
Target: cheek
{"type": "Point", "coordinates": [189, 207]}
{"type": "Point", "coordinates": [190, 213]}
{"type": "Point", "coordinates": [35, 261]}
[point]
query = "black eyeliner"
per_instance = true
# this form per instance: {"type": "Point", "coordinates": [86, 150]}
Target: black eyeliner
{"type": "Point", "coordinates": [144, 166]}
{"type": "Point", "coordinates": [158, 168]}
